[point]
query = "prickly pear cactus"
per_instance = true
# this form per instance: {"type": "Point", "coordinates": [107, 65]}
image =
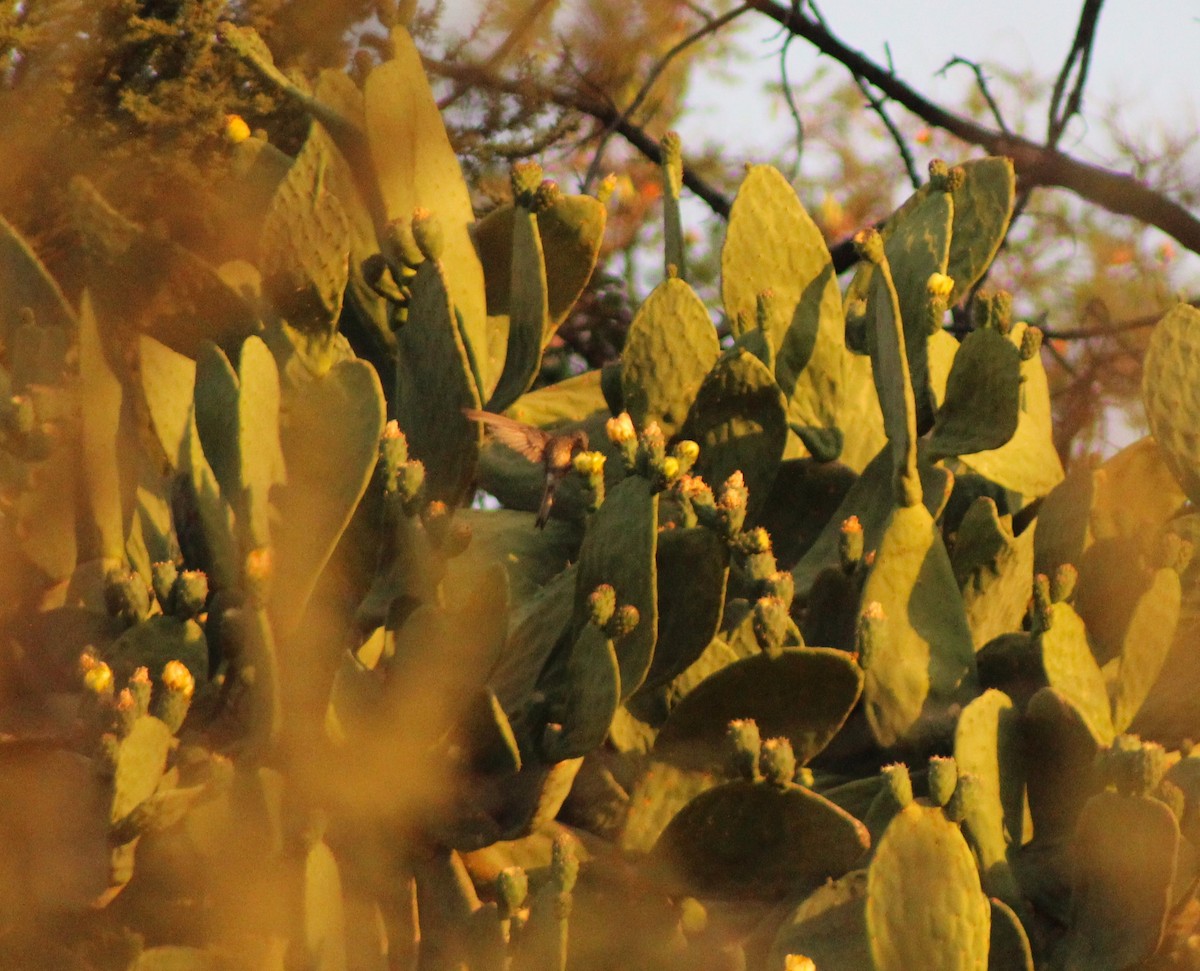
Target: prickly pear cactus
{"type": "Point", "coordinates": [287, 691]}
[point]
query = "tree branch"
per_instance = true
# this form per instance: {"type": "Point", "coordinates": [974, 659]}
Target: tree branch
{"type": "Point", "coordinates": [1036, 165]}
{"type": "Point", "coordinates": [603, 112]}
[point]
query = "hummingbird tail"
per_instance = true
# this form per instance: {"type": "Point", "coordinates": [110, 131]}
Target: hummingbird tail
{"type": "Point", "coordinates": [543, 515]}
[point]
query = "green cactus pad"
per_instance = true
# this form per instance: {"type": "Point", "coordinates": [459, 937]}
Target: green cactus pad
{"type": "Point", "coordinates": [109, 493]}
{"type": "Point", "coordinates": [143, 281]}
{"type": "Point", "coordinates": [926, 656]}
{"type": "Point", "coordinates": [168, 383]}
{"type": "Point", "coordinates": [529, 314]}
{"type": "Point", "coordinates": [1147, 642]}
{"type": "Point", "coordinates": [619, 549]}
{"type": "Point", "coordinates": [592, 693]}
{"type": "Point", "coordinates": [917, 244]}
{"type": "Point", "coordinates": [1070, 667]}
{"type": "Point", "coordinates": [893, 383]}
{"type": "Point", "coordinates": [1168, 380]}
{"type": "Point", "coordinates": [25, 282]}
{"type": "Point", "coordinates": [994, 570]}
{"type": "Point", "coordinates": [571, 232]}
{"type": "Point", "coordinates": [434, 383]}
{"type": "Point", "coordinates": [571, 398]}
{"type": "Point", "coordinates": [330, 446]}
{"type": "Point", "coordinates": [987, 745]}
{"type": "Point", "coordinates": [802, 694]}
{"type": "Point", "coordinates": [141, 759]}
{"type": "Point", "coordinates": [536, 626]}
{"type": "Point", "coordinates": [1028, 463]}
{"type": "Point", "coordinates": [1061, 777]}
{"type": "Point", "coordinates": [983, 206]}
{"type": "Point", "coordinates": [1008, 945]}
{"type": "Point", "coordinates": [1126, 850]}
{"type": "Point", "coordinates": [400, 111]}
{"type": "Point", "coordinates": [693, 569]}
{"type": "Point", "coordinates": [305, 243]}
{"type": "Point", "coordinates": [983, 397]}
{"type": "Point", "coordinates": [717, 655]}
{"type": "Point", "coordinates": [661, 790]}
{"type": "Point", "coordinates": [531, 557]}
{"type": "Point", "coordinates": [869, 499]}
{"type": "Point", "coordinates": [759, 840]}
{"type": "Point", "coordinates": [324, 914]}
{"type": "Point", "coordinates": [925, 907]}
{"type": "Point", "coordinates": [739, 420]}
{"type": "Point", "coordinates": [773, 245]}
{"type": "Point", "coordinates": [828, 928]}
{"type": "Point", "coordinates": [670, 348]}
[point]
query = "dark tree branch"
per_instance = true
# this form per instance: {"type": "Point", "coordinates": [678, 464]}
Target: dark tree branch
{"type": "Point", "coordinates": [1078, 60]}
{"type": "Point", "coordinates": [602, 111]}
{"type": "Point", "coordinates": [1036, 165]}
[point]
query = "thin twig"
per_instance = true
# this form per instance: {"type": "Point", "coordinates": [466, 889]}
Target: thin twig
{"type": "Point", "coordinates": [1078, 60]}
{"type": "Point", "coordinates": [710, 27]}
{"type": "Point", "coordinates": [981, 83]}
{"type": "Point", "coordinates": [1107, 330]}
{"type": "Point", "coordinates": [603, 112]}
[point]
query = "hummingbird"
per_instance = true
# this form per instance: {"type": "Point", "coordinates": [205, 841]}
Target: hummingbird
{"type": "Point", "coordinates": [555, 453]}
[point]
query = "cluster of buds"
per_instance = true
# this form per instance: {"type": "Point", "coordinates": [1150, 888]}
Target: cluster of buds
{"type": "Point", "coordinates": [589, 466]}
{"type": "Point", "coordinates": [615, 621]}
{"type": "Point", "coordinates": [992, 309]}
{"type": "Point", "coordinates": [180, 594]}
{"type": "Point", "coordinates": [732, 499]}
{"type": "Point", "coordinates": [696, 501]}
{"type": "Point", "coordinates": [115, 713]}
{"type": "Point", "coordinates": [402, 478]}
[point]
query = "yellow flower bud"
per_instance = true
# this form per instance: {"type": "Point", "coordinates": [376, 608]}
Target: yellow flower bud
{"type": "Point", "coordinates": [99, 679]}
{"type": "Point", "coordinates": [176, 677]}
{"type": "Point", "coordinates": [620, 429]}
{"type": "Point", "coordinates": [939, 285]}
{"type": "Point", "coordinates": [236, 129]}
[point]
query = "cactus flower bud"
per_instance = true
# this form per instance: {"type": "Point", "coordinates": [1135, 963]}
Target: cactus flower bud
{"type": "Point", "coordinates": [602, 603]}
{"type": "Point", "coordinates": [236, 129]}
{"type": "Point", "coordinates": [798, 962]}
{"type": "Point", "coordinates": [162, 578]}
{"type": "Point", "coordinates": [410, 481]}
{"type": "Point", "coordinates": [1041, 603]}
{"type": "Point", "coordinates": [850, 543]}
{"type": "Point", "coordinates": [871, 624]}
{"type": "Point", "coordinates": [943, 778]}
{"type": "Point", "coordinates": [672, 162]}
{"type": "Point", "coordinates": [98, 680]}
{"type": "Point", "coordinates": [126, 596]}
{"type": "Point", "coordinates": [547, 196]}
{"type": "Point", "coordinates": [653, 445]}
{"type": "Point", "coordinates": [1062, 587]}
{"type": "Point", "coordinates": [782, 585]}
{"type": "Point", "coordinates": [21, 417]}
{"type": "Point", "coordinates": [589, 464]}
{"type": "Point", "coordinates": [620, 429]}
{"type": "Point", "coordinates": [525, 177]}
{"type": "Point", "coordinates": [955, 178]}
{"type": "Point", "coordinates": [869, 245]}
{"type": "Point", "coordinates": [512, 887]}
{"type": "Point", "coordinates": [1031, 343]}
{"type": "Point", "coordinates": [623, 621]}
{"type": "Point", "coordinates": [745, 747]}
{"type": "Point", "coordinates": [777, 761]}
{"type": "Point", "coordinates": [686, 452]}
{"type": "Point", "coordinates": [939, 286]}
{"type": "Point", "coordinates": [171, 704]}
{"type": "Point", "coordinates": [427, 234]}
{"type": "Point", "coordinates": [258, 572]}
{"type": "Point", "coordinates": [898, 783]}
{"type": "Point", "coordinates": [770, 623]}
{"type": "Point", "coordinates": [139, 686]}
{"type": "Point", "coordinates": [189, 594]}
{"type": "Point", "coordinates": [564, 863]}
{"type": "Point", "coordinates": [126, 712]}
{"type": "Point", "coordinates": [965, 798]}
{"type": "Point", "coordinates": [939, 171]}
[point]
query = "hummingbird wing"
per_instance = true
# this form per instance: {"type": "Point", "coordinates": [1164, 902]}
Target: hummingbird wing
{"type": "Point", "coordinates": [525, 439]}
